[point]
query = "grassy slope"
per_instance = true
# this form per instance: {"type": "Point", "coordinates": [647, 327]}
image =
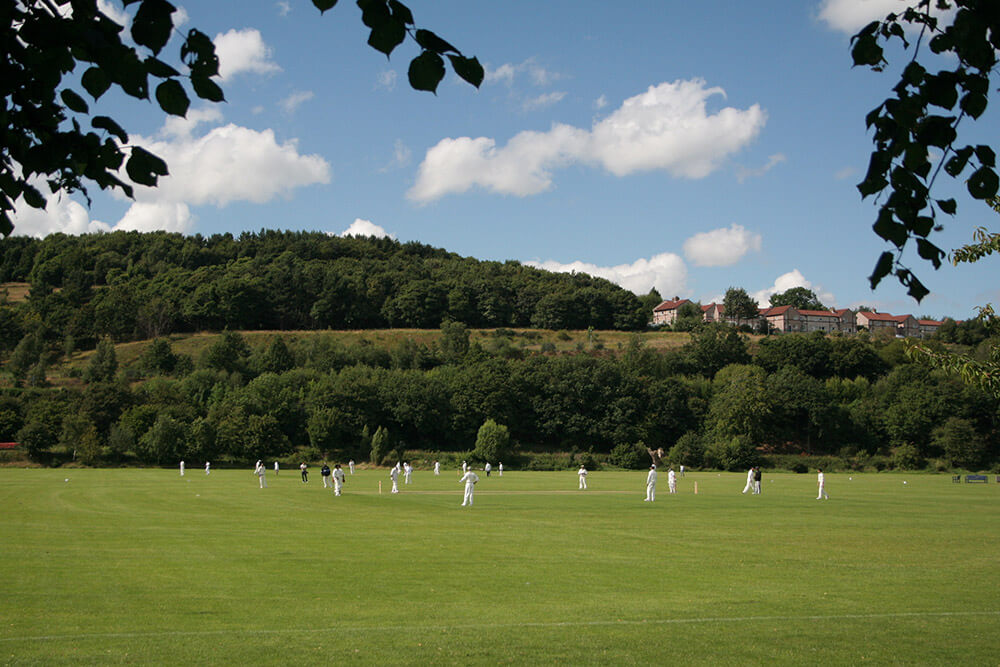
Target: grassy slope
{"type": "Point", "coordinates": [146, 566]}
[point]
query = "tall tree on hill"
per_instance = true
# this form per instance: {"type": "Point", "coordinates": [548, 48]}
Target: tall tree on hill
{"type": "Point", "coordinates": [739, 306]}
{"type": "Point", "coordinates": [800, 298]}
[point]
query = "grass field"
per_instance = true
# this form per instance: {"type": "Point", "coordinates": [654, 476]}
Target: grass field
{"type": "Point", "coordinates": [145, 566]}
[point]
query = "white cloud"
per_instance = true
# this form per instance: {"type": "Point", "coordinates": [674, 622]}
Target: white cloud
{"type": "Point", "coordinates": [401, 156]}
{"type": "Point", "coordinates": [243, 51]}
{"type": "Point", "coordinates": [362, 227]}
{"type": "Point", "coordinates": [224, 164]}
{"type": "Point", "coordinates": [114, 12]}
{"type": "Point", "coordinates": [386, 79]}
{"type": "Point", "coordinates": [542, 101]}
{"type": "Point", "coordinates": [743, 173]}
{"type": "Point", "coordinates": [667, 127]}
{"type": "Point", "coordinates": [787, 281]}
{"type": "Point", "coordinates": [507, 72]}
{"type": "Point", "coordinates": [845, 173]}
{"type": "Point", "coordinates": [180, 17]}
{"type": "Point", "coordinates": [284, 8]}
{"type": "Point", "coordinates": [601, 102]}
{"type": "Point", "coordinates": [296, 99]}
{"type": "Point", "coordinates": [61, 214]}
{"type": "Point", "coordinates": [502, 74]}
{"type": "Point", "coordinates": [850, 16]}
{"type": "Point", "coordinates": [721, 247]}
{"type": "Point", "coordinates": [666, 272]}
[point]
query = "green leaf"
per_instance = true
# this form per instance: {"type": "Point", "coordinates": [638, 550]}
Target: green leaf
{"type": "Point", "coordinates": [432, 42]}
{"type": "Point", "coordinates": [6, 226]}
{"type": "Point", "coordinates": [109, 125]}
{"type": "Point", "coordinates": [426, 71]}
{"type": "Point", "coordinates": [986, 156]}
{"type": "Point", "coordinates": [947, 206]}
{"type": "Point", "coordinates": [923, 225]}
{"type": "Point", "coordinates": [882, 269]}
{"type": "Point", "coordinates": [983, 183]}
{"type": "Point", "coordinates": [941, 90]}
{"type": "Point", "coordinates": [890, 230]}
{"type": "Point", "coordinates": [198, 52]}
{"type": "Point", "coordinates": [143, 167]}
{"type": "Point", "coordinates": [866, 51]}
{"type": "Point", "coordinates": [974, 104]}
{"type": "Point", "coordinates": [153, 23]}
{"type": "Point", "coordinates": [160, 69]}
{"type": "Point", "coordinates": [73, 101]}
{"type": "Point", "coordinates": [956, 164]}
{"type": "Point", "coordinates": [401, 12]}
{"type": "Point", "coordinates": [32, 197]}
{"type": "Point", "coordinates": [936, 131]}
{"type": "Point", "coordinates": [387, 36]}
{"type": "Point", "coordinates": [95, 81]}
{"type": "Point", "coordinates": [207, 89]}
{"type": "Point", "coordinates": [374, 12]}
{"type": "Point", "coordinates": [915, 288]}
{"type": "Point", "coordinates": [172, 98]}
{"type": "Point", "coordinates": [324, 5]}
{"type": "Point", "coordinates": [930, 252]}
{"type": "Point", "coordinates": [468, 68]}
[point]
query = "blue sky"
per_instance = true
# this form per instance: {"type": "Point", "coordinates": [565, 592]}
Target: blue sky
{"type": "Point", "coordinates": [690, 146]}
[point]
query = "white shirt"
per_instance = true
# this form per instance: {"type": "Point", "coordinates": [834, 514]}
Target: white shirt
{"type": "Point", "coordinates": [671, 477]}
{"type": "Point", "coordinates": [338, 474]}
{"type": "Point", "coordinates": [469, 478]}
{"type": "Point", "coordinates": [651, 478]}
{"type": "Point", "coordinates": [582, 472]}
{"type": "Point", "coordinates": [488, 468]}
{"type": "Point", "coordinates": [394, 473]}
{"type": "Point", "coordinates": [821, 479]}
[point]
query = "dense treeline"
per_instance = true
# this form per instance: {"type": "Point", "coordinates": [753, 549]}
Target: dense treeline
{"type": "Point", "coordinates": [131, 285]}
{"type": "Point", "coordinates": [714, 402]}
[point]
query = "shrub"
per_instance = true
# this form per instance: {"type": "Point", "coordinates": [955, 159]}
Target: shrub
{"type": "Point", "coordinates": [631, 456]}
{"type": "Point", "coordinates": [689, 450]}
{"type": "Point", "coordinates": [492, 442]}
{"type": "Point", "coordinates": [906, 457]}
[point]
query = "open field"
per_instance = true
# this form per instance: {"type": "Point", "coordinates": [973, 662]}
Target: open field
{"type": "Point", "coordinates": [145, 566]}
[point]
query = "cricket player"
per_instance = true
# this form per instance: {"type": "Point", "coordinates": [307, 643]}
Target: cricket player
{"type": "Point", "coordinates": [338, 479]}
{"type": "Point", "coordinates": [465, 467]}
{"type": "Point", "coordinates": [394, 474]}
{"type": "Point", "coordinates": [324, 472]}
{"type": "Point", "coordinates": [672, 481]}
{"type": "Point", "coordinates": [407, 471]}
{"type": "Point", "coordinates": [208, 467]}
{"type": "Point", "coordinates": [749, 486]}
{"type": "Point", "coordinates": [350, 464]}
{"type": "Point", "coordinates": [821, 480]}
{"type": "Point", "coordinates": [756, 480]}
{"type": "Point", "coordinates": [182, 468]}
{"type": "Point", "coordinates": [275, 468]}
{"type": "Point", "coordinates": [261, 471]}
{"type": "Point", "coordinates": [305, 473]}
{"type": "Point", "coordinates": [500, 469]}
{"type": "Point", "coordinates": [651, 484]}
{"type": "Point", "coordinates": [582, 474]}
{"type": "Point", "coordinates": [437, 467]}
{"type": "Point", "coordinates": [470, 478]}
{"type": "Point", "coordinates": [488, 468]}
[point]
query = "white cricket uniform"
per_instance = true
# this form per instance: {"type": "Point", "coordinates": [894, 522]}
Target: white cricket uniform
{"type": "Point", "coordinates": [749, 486]}
{"type": "Point", "coordinates": [261, 475]}
{"type": "Point", "coordinates": [437, 468]}
{"type": "Point", "coordinates": [651, 485]}
{"type": "Point", "coordinates": [182, 468]}
{"type": "Point", "coordinates": [821, 479]}
{"type": "Point", "coordinates": [582, 473]}
{"type": "Point", "coordinates": [394, 473]}
{"type": "Point", "coordinates": [407, 471]}
{"type": "Point", "coordinates": [350, 464]}
{"type": "Point", "coordinates": [338, 480]}
{"type": "Point", "coordinates": [275, 467]}
{"type": "Point", "coordinates": [500, 469]}
{"type": "Point", "coordinates": [672, 481]}
{"type": "Point", "coordinates": [465, 467]}
{"type": "Point", "coordinates": [208, 468]}
{"type": "Point", "coordinates": [470, 478]}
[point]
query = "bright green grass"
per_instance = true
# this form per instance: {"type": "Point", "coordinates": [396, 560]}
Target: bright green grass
{"type": "Point", "coordinates": [143, 566]}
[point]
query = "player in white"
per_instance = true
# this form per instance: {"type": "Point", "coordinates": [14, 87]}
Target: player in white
{"type": "Point", "coordinates": [582, 474]}
{"type": "Point", "coordinates": [651, 484]}
{"type": "Point", "coordinates": [275, 468]}
{"type": "Point", "coordinates": [488, 468]}
{"type": "Point", "coordinates": [394, 473]}
{"type": "Point", "coordinates": [350, 464]}
{"type": "Point", "coordinates": [672, 481]}
{"type": "Point", "coordinates": [500, 469]}
{"type": "Point", "coordinates": [208, 467]}
{"type": "Point", "coordinates": [182, 468]}
{"type": "Point", "coordinates": [749, 486]}
{"type": "Point", "coordinates": [261, 471]}
{"type": "Point", "coordinates": [407, 471]}
{"type": "Point", "coordinates": [465, 467]}
{"type": "Point", "coordinates": [470, 478]}
{"type": "Point", "coordinates": [437, 467]}
{"type": "Point", "coordinates": [338, 479]}
{"type": "Point", "coordinates": [821, 480]}
{"type": "Point", "coordinates": [682, 471]}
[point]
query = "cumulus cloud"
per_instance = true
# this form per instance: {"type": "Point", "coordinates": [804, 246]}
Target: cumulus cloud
{"type": "Point", "coordinates": [542, 101]}
{"type": "Point", "coordinates": [295, 100]}
{"type": "Point", "coordinates": [243, 51]}
{"type": "Point", "coordinates": [668, 127]}
{"type": "Point", "coordinates": [508, 72]}
{"type": "Point", "coordinates": [386, 79]}
{"type": "Point", "coordinates": [601, 102]}
{"type": "Point", "coordinates": [114, 12]}
{"type": "Point", "coordinates": [225, 164]}
{"type": "Point", "coordinates": [666, 272]}
{"type": "Point", "coordinates": [284, 8]}
{"type": "Point", "coordinates": [362, 227]}
{"type": "Point", "coordinates": [787, 281]}
{"type": "Point", "coordinates": [743, 173]}
{"type": "Point", "coordinates": [721, 247]}
{"type": "Point", "coordinates": [61, 214]}
{"type": "Point", "coordinates": [849, 16]}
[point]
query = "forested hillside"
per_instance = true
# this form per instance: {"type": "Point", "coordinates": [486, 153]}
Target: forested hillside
{"type": "Point", "coordinates": [130, 285]}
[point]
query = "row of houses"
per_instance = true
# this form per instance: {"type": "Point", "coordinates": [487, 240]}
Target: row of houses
{"type": "Point", "coordinates": [790, 319]}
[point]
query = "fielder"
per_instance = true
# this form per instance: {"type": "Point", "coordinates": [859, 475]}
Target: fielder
{"type": "Point", "coordinates": [470, 478]}
{"type": "Point", "coordinates": [582, 474]}
{"type": "Point", "coordinates": [500, 469]}
{"type": "Point", "coordinates": [672, 481]}
{"type": "Point", "coordinates": [338, 479]}
{"type": "Point", "coordinates": [208, 467]}
{"type": "Point", "coordinates": [821, 480]}
{"type": "Point", "coordinates": [394, 473]}
{"type": "Point", "coordinates": [488, 468]}
{"type": "Point", "coordinates": [350, 464]}
{"type": "Point", "coordinates": [305, 473]}
{"type": "Point", "coordinates": [749, 486]}
{"type": "Point", "coordinates": [437, 467]}
{"type": "Point", "coordinates": [324, 472]}
{"type": "Point", "coordinates": [651, 485]}
{"type": "Point", "coordinates": [275, 468]}
{"type": "Point", "coordinates": [182, 468]}
{"type": "Point", "coordinates": [407, 471]}
{"type": "Point", "coordinates": [261, 474]}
